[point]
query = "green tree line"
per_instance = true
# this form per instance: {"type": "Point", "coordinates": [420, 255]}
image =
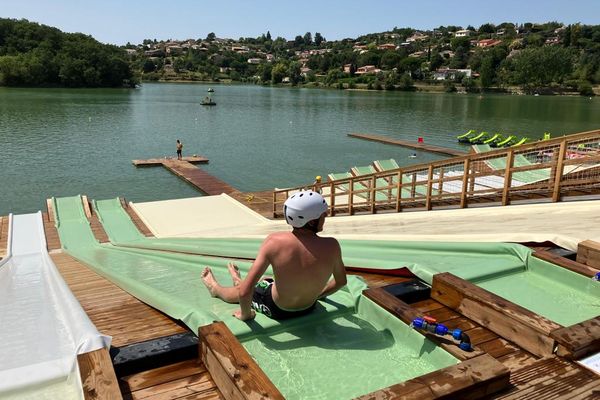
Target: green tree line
{"type": "Point", "coordinates": [38, 55]}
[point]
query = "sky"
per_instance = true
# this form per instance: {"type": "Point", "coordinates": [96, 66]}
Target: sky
{"type": "Point", "coordinates": [122, 21]}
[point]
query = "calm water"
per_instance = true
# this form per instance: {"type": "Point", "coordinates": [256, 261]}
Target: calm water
{"type": "Point", "coordinates": [63, 142]}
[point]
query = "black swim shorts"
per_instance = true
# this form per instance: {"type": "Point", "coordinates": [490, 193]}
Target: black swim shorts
{"type": "Point", "coordinates": [262, 302]}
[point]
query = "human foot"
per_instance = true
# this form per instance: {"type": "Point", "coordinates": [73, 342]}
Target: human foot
{"type": "Point", "coordinates": [235, 273]}
{"type": "Point", "coordinates": [209, 281]}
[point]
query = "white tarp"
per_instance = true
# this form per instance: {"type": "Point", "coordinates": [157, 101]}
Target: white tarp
{"type": "Point", "coordinates": [565, 223]}
{"type": "Point", "coordinates": [43, 326]}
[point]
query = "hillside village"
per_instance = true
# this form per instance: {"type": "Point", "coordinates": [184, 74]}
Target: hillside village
{"type": "Point", "coordinates": [465, 59]}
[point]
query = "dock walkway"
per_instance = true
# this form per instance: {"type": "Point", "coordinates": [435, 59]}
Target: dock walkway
{"type": "Point", "coordinates": [404, 143]}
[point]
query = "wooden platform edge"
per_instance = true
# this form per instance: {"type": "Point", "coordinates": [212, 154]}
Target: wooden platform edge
{"type": "Point", "coordinates": [505, 318]}
{"type": "Point", "coordinates": [407, 314]}
{"type": "Point", "coordinates": [578, 340]}
{"type": "Point", "coordinates": [476, 378]}
{"type": "Point", "coordinates": [98, 376]}
{"type": "Point", "coordinates": [588, 253]}
{"type": "Point", "coordinates": [234, 371]}
{"type": "Point", "coordinates": [575, 266]}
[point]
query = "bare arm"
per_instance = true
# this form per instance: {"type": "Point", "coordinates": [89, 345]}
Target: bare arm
{"type": "Point", "coordinates": [339, 275]}
{"type": "Point", "coordinates": [246, 289]}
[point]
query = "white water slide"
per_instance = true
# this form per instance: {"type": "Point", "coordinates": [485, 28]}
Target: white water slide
{"type": "Point", "coordinates": [42, 326]}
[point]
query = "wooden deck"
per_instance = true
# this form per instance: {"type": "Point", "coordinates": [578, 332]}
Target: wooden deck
{"type": "Point", "coordinates": [160, 161]}
{"type": "Point", "coordinates": [412, 145]}
{"type": "Point", "coordinates": [191, 174]}
{"type": "Point", "coordinates": [130, 321]}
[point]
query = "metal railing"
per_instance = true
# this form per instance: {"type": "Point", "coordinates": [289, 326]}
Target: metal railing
{"type": "Point", "coordinates": [565, 166]}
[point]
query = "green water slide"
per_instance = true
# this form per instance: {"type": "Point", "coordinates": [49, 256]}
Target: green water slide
{"type": "Point", "coordinates": [507, 270]}
{"type": "Point", "coordinates": [345, 330]}
{"type": "Point", "coordinates": [499, 164]}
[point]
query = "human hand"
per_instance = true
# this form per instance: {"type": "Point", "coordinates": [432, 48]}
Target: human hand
{"type": "Point", "coordinates": [239, 315]}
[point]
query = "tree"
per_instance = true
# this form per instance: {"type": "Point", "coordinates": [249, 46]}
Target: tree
{"type": "Point", "coordinates": [278, 72]}
{"type": "Point", "coordinates": [210, 37]}
{"type": "Point", "coordinates": [307, 39]}
{"type": "Point", "coordinates": [268, 37]}
{"type": "Point", "coordinates": [298, 41]}
{"type": "Point", "coordinates": [487, 71]}
{"type": "Point", "coordinates": [318, 39]}
{"type": "Point", "coordinates": [535, 67]}
{"type": "Point", "coordinates": [487, 28]}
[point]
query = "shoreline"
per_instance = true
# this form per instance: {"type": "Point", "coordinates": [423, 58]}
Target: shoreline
{"type": "Point", "coordinates": [422, 88]}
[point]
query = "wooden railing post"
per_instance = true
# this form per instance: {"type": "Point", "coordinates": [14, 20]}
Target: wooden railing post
{"type": "Point", "coordinates": [440, 183]}
{"type": "Point", "coordinates": [465, 183]}
{"type": "Point", "coordinates": [413, 189]}
{"type": "Point", "coordinates": [332, 199]}
{"type": "Point", "coordinates": [274, 204]}
{"type": "Point", "coordinates": [557, 170]}
{"type": "Point", "coordinates": [508, 177]}
{"type": "Point", "coordinates": [399, 192]}
{"type": "Point", "coordinates": [429, 187]}
{"type": "Point", "coordinates": [373, 182]}
{"type": "Point", "coordinates": [351, 197]}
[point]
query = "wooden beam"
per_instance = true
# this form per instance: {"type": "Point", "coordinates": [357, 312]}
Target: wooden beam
{"type": "Point", "coordinates": [50, 209]}
{"type": "Point", "coordinates": [571, 265]}
{"type": "Point", "coordinates": [578, 340]}
{"type": "Point", "coordinates": [98, 376]}
{"type": "Point", "coordinates": [557, 171]}
{"type": "Point", "coordinates": [86, 206]}
{"type": "Point", "coordinates": [508, 177]}
{"type": "Point", "coordinates": [476, 378]}
{"type": "Point", "coordinates": [407, 314]}
{"type": "Point", "coordinates": [510, 321]}
{"type": "Point", "coordinates": [234, 371]}
{"type": "Point", "coordinates": [588, 253]}
{"type": "Point", "coordinates": [429, 187]}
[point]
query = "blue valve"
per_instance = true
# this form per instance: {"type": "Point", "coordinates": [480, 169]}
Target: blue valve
{"type": "Point", "coordinates": [430, 325]}
{"type": "Point", "coordinates": [596, 277]}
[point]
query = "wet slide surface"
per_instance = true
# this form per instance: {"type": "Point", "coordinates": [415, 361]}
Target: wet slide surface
{"type": "Point", "coordinates": [507, 270]}
{"type": "Point", "coordinates": [43, 326]}
{"type": "Point", "coordinates": [345, 330]}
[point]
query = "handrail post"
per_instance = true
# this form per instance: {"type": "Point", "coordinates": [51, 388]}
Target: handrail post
{"type": "Point", "coordinates": [413, 189]}
{"type": "Point", "coordinates": [274, 204]}
{"type": "Point", "coordinates": [465, 183]}
{"type": "Point", "coordinates": [429, 187]}
{"type": "Point", "coordinates": [508, 177]}
{"type": "Point", "coordinates": [440, 183]}
{"type": "Point", "coordinates": [351, 197]}
{"type": "Point", "coordinates": [373, 181]}
{"type": "Point", "coordinates": [559, 170]}
{"type": "Point", "coordinates": [399, 192]}
{"type": "Point", "coordinates": [332, 198]}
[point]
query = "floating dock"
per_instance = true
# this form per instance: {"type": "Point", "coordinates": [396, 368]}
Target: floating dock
{"type": "Point", "coordinates": [412, 145]}
{"type": "Point", "coordinates": [261, 202]}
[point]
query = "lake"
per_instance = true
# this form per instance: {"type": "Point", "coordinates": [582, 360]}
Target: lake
{"type": "Point", "coordinates": [59, 142]}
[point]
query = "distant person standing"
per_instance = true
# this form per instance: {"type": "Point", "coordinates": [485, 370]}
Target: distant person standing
{"type": "Point", "coordinates": [179, 149]}
{"type": "Point", "coordinates": [317, 184]}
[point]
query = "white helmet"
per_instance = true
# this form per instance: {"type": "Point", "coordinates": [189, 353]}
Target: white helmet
{"type": "Point", "coordinates": [303, 207]}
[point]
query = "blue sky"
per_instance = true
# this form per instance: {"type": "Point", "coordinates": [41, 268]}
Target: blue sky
{"type": "Point", "coordinates": [122, 21]}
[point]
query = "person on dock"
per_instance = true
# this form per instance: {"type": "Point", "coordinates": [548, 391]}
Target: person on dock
{"type": "Point", "coordinates": [317, 184]}
{"type": "Point", "coordinates": [306, 267]}
{"type": "Point", "coordinates": [179, 149]}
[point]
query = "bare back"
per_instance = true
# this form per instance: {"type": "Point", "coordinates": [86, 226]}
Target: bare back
{"type": "Point", "coordinates": [302, 264]}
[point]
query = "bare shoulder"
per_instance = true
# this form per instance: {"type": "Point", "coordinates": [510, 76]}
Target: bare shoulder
{"type": "Point", "coordinates": [331, 243]}
{"type": "Point", "coordinates": [277, 238]}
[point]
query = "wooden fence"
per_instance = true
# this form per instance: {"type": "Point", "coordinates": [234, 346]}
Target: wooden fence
{"type": "Point", "coordinates": [551, 169]}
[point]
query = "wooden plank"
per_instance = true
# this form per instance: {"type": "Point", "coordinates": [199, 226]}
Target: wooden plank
{"type": "Point", "coordinates": [98, 376]}
{"type": "Point", "coordinates": [476, 378]}
{"type": "Point", "coordinates": [588, 253]}
{"type": "Point", "coordinates": [3, 236]}
{"type": "Point", "coordinates": [86, 206]}
{"type": "Point", "coordinates": [113, 311]}
{"type": "Point", "coordinates": [508, 177]}
{"type": "Point", "coordinates": [578, 340]}
{"type": "Point", "coordinates": [162, 375]}
{"type": "Point", "coordinates": [571, 265]}
{"type": "Point", "coordinates": [557, 171]}
{"type": "Point", "coordinates": [407, 314]}
{"type": "Point", "coordinates": [405, 143]}
{"type": "Point", "coordinates": [135, 218]}
{"type": "Point", "coordinates": [510, 321]}
{"type": "Point", "coordinates": [235, 372]}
